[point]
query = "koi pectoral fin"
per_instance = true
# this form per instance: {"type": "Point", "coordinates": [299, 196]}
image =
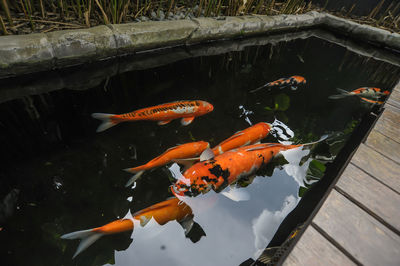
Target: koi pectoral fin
{"type": "Point", "coordinates": [133, 178]}
{"type": "Point", "coordinates": [161, 123]}
{"type": "Point", "coordinates": [187, 163]}
{"type": "Point", "coordinates": [187, 120]}
{"type": "Point", "coordinates": [236, 194]}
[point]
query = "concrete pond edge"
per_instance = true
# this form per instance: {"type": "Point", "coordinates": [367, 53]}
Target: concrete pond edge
{"type": "Point", "coordinates": [21, 54]}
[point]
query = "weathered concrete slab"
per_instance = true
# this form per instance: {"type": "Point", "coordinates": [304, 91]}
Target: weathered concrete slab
{"type": "Point", "coordinates": [132, 37]}
{"type": "Point", "coordinates": [365, 32]}
{"type": "Point", "coordinates": [36, 52]}
{"type": "Point", "coordinates": [78, 46]}
{"type": "Point", "coordinates": [19, 54]}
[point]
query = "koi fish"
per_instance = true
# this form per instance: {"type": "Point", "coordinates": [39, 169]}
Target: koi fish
{"type": "Point", "coordinates": [187, 150]}
{"type": "Point", "coordinates": [292, 81]}
{"type": "Point", "coordinates": [362, 92]}
{"type": "Point", "coordinates": [245, 137]}
{"type": "Point", "coordinates": [162, 212]}
{"type": "Point", "coordinates": [222, 170]}
{"type": "Point", "coordinates": [164, 113]}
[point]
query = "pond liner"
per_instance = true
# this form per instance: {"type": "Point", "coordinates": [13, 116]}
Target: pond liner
{"type": "Point", "coordinates": [21, 54]}
{"type": "Point", "coordinates": [313, 199]}
{"type": "Point", "coordinates": [90, 75]}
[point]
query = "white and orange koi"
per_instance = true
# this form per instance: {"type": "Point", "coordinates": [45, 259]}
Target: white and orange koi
{"type": "Point", "coordinates": [187, 150]}
{"type": "Point", "coordinates": [368, 92]}
{"type": "Point", "coordinates": [164, 113]}
{"type": "Point", "coordinates": [163, 212]}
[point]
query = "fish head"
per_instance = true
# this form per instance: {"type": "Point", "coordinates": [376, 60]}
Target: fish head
{"type": "Point", "coordinates": [299, 79]}
{"type": "Point", "coordinates": [202, 145]}
{"type": "Point", "coordinates": [197, 179]}
{"type": "Point", "coordinates": [206, 107]}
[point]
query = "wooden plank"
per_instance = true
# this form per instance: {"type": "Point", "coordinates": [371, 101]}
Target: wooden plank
{"type": "Point", "coordinates": [374, 196]}
{"type": "Point", "coordinates": [314, 249]}
{"type": "Point", "coordinates": [357, 232]}
{"type": "Point", "coordinates": [378, 166]}
{"type": "Point", "coordinates": [394, 98]}
{"type": "Point", "coordinates": [389, 123]}
{"type": "Point", "coordinates": [384, 145]}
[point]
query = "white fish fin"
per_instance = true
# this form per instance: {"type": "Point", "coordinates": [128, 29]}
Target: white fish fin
{"type": "Point", "coordinates": [343, 94]}
{"type": "Point", "coordinates": [134, 178]}
{"type": "Point", "coordinates": [88, 237]}
{"type": "Point", "coordinates": [161, 123]}
{"type": "Point", "coordinates": [187, 120]}
{"type": "Point", "coordinates": [259, 88]}
{"type": "Point", "coordinates": [106, 118]}
{"type": "Point", "coordinates": [187, 224]}
{"type": "Point", "coordinates": [207, 154]}
{"type": "Point", "coordinates": [236, 194]}
{"type": "Point", "coordinates": [144, 220]}
{"type": "Point", "coordinates": [324, 137]}
{"type": "Point", "coordinates": [186, 162]}
{"type": "Point", "coordinates": [257, 148]}
{"type": "Point", "coordinates": [342, 91]}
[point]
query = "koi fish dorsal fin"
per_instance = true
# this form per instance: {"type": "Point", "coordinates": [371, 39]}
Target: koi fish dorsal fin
{"type": "Point", "coordinates": [187, 120]}
{"type": "Point", "coordinates": [207, 154]}
{"type": "Point", "coordinates": [237, 134]}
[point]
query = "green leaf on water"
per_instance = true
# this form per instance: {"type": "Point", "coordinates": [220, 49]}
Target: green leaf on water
{"type": "Point", "coordinates": [282, 102]}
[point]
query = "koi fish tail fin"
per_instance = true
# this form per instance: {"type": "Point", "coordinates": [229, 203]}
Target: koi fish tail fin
{"type": "Point", "coordinates": [259, 88]}
{"type": "Point", "coordinates": [107, 121]}
{"type": "Point", "coordinates": [138, 173]}
{"type": "Point", "coordinates": [88, 237]}
{"type": "Point", "coordinates": [342, 94]}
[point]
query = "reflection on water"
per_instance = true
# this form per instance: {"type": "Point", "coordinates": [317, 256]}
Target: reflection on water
{"type": "Point", "coordinates": [70, 178]}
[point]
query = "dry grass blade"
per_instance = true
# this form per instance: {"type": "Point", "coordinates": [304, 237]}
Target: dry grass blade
{"type": "Point", "coordinates": [102, 12]}
{"type": "Point", "coordinates": [4, 4]}
{"type": "Point", "coordinates": [3, 26]}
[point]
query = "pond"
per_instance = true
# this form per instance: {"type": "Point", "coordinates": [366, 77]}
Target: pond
{"type": "Point", "coordinates": [58, 175]}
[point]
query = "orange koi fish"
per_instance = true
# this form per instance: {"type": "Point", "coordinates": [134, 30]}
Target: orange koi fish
{"type": "Point", "coordinates": [245, 137]}
{"type": "Point", "coordinates": [222, 170]}
{"type": "Point", "coordinates": [164, 113]}
{"type": "Point", "coordinates": [163, 212]}
{"type": "Point", "coordinates": [187, 150]}
{"type": "Point", "coordinates": [362, 92]}
{"type": "Point", "coordinates": [292, 81]}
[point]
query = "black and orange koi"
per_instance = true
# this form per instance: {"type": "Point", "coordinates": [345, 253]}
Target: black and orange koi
{"type": "Point", "coordinates": [292, 81]}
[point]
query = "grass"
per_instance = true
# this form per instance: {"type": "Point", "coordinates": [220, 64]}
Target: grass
{"type": "Point", "coordinates": [25, 16]}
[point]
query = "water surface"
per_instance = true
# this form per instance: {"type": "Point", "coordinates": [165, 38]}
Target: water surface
{"type": "Point", "coordinates": [69, 177]}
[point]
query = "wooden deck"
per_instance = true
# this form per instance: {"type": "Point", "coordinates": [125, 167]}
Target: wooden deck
{"type": "Point", "coordinates": [359, 222]}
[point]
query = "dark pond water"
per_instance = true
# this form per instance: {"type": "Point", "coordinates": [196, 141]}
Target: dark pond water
{"type": "Point", "coordinates": [69, 177]}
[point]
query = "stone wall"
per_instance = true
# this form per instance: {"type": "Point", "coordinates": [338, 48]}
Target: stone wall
{"type": "Point", "coordinates": [39, 52]}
